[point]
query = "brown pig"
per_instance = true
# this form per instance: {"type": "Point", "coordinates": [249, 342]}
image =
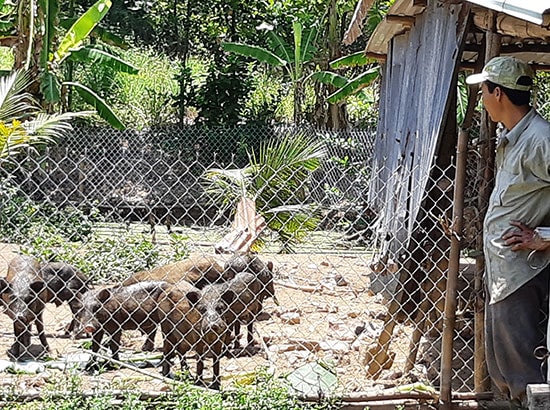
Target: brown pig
{"type": "Point", "coordinates": [24, 294]}
{"type": "Point", "coordinates": [192, 319]}
{"type": "Point", "coordinates": [199, 271]}
{"type": "Point", "coordinates": [112, 310]}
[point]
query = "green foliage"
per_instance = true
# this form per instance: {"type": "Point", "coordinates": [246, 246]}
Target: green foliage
{"type": "Point", "coordinates": [64, 391]}
{"type": "Point", "coordinates": [105, 259]}
{"type": "Point", "coordinates": [264, 98]}
{"type": "Point", "coordinates": [80, 30]}
{"type": "Point", "coordinates": [277, 180]}
{"type": "Point", "coordinates": [22, 121]}
{"type": "Point", "coordinates": [6, 59]}
{"type": "Point", "coordinates": [293, 56]}
{"type": "Point", "coordinates": [20, 217]}
{"type": "Point", "coordinates": [144, 99]}
{"type": "Point", "coordinates": [222, 97]}
{"type": "Point", "coordinates": [541, 100]}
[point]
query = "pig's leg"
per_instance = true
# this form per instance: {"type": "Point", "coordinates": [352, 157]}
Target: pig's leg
{"type": "Point", "coordinates": [250, 334]}
{"type": "Point", "coordinates": [93, 364]}
{"type": "Point", "coordinates": [216, 355]}
{"type": "Point", "coordinates": [96, 340]}
{"type": "Point", "coordinates": [237, 331]}
{"type": "Point", "coordinates": [201, 356]}
{"type": "Point", "coordinates": [115, 344]}
{"type": "Point", "coordinates": [149, 344]}
{"type": "Point", "coordinates": [22, 335]}
{"type": "Point", "coordinates": [74, 322]}
{"type": "Point", "coordinates": [39, 322]}
{"type": "Point", "coordinates": [168, 351]}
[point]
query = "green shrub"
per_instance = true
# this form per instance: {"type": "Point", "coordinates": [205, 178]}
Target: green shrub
{"type": "Point", "coordinates": [106, 259]}
{"type": "Point", "coordinates": [267, 392]}
{"type": "Point", "coordinates": [20, 217]}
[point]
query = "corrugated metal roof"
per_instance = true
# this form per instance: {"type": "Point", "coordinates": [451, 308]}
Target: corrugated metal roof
{"type": "Point", "coordinates": [529, 10]}
{"type": "Point", "coordinates": [536, 14]}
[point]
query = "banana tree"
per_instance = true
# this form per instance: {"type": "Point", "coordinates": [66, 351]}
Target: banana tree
{"type": "Point", "coordinates": [292, 58]}
{"type": "Point", "coordinates": [38, 49]}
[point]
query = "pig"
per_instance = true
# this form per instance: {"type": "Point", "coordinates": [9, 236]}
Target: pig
{"type": "Point", "coordinates": [252, 283]}
{"type": "Point", "coordinates": [252, 263]}
{"type": "Point", "coordinates": [192, 319]}
{"type": "Point", "coordinates": [112, 310]}
{"type": "Point", "coordinates": [24, 295]}
{"type": "Point", "coordinates": [199, 271]}
{"type": "Point", "coordinates": [65, 283]}
{"type": "Point", "coordinates": [247, 305]}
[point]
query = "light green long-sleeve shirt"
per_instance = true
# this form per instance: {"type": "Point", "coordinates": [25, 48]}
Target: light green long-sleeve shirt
{"type": "Point", "coordinates": [521, 193]}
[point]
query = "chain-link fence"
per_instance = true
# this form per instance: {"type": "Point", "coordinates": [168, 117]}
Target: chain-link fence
{"type": "Point", "coordinates": [109, 239]}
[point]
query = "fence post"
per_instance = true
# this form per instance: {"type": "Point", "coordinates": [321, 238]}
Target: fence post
{"type": "Point", "coordinates": [454, 267]}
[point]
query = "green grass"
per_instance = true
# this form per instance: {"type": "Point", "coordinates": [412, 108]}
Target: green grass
{"type": "Point", "coordinates": [65, 391]}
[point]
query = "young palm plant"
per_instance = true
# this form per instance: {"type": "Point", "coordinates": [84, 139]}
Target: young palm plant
{"type": "Point", "coordinates": [22, 122]}
{"type": "Point", "coordinates": [277, 180]}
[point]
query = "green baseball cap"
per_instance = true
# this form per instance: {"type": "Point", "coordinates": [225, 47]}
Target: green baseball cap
{"type": "Point", "coordinates": [509, 72]}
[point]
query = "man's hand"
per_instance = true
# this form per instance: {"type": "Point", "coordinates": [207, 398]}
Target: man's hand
{"type": "Point", "coordinates": [524, 238]}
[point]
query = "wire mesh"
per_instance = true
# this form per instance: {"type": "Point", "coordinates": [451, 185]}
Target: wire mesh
{"type": "Point", "coordinates": [108, 243]}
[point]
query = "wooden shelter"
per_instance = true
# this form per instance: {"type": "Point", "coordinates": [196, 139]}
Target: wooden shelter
{"type": "Point", "coordinates": [421, 151]}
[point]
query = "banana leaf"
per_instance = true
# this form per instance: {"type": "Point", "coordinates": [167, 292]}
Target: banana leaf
{"type": "Point", "coordinates": [50, 87]}
{"type": "Point", "coordinates": [330, 78]}
{"type": "Point", "coordinates": [352, 60]}
{"type": "Point", "coordinates": [354, 86]}
{"type": "Point", "coordinates": [98, 32]}
{"type": "Point", "coordinates": [91, 55]}
{"type": "Point", "coordinates": [258, 53]}
{"type": "Point", "coordinates": [80, 30]}
{"type": "Point", "coordinates": [102, 108]}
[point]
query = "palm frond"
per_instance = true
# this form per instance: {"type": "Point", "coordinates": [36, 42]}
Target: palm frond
{"type": "Point", "coordinates": [15, 103]}
{"type": "Point", "coordinates": [52, 126]}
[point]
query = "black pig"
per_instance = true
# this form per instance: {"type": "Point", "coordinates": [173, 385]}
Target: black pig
{"type": "Point", "coordinates": [65, 284]}
{"type": "Point", "coordinates": [24, 294]}
{"type": "Point", "coordinates": [192, 319]}
{"type": "Point", "coordinates": [113, 310]}
{"type": "Point", "coordinates": [252, 283]}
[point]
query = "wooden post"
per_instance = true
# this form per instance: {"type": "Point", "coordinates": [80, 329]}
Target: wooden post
{"type": "Point", "coordinates": [449, 318]}
{"type": "Point", "coordinates": [454, 267]}
{"type": "Point", "coordinates": [486, 174]}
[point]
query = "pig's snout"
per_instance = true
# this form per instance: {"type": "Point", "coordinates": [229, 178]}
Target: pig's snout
{"type": "Point", "coordinates": [89, 329]}
{"type": "Point", "coordinates": [213, 330]}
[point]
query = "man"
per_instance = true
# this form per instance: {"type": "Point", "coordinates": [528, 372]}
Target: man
{"type": "Point", "coordinates": [517, 272]}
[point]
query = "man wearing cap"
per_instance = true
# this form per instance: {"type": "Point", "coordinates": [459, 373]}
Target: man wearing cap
{"type": "Point", "coordinates": [517, 272]}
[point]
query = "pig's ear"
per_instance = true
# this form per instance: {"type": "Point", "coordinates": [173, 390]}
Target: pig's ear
{"type": "Point", "coordinates": [37, 287]}
{"type": "Point", "coordinates": [270, 265]}
{"type": "Point", "coordinates": [193, 296]}
{"type": "Point", "coordinates": [103, 295]}
{"type": "Point", "coordinates": [228, 296]}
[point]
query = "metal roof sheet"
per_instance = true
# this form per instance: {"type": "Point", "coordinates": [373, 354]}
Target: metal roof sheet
{"type": "Point", "coordinates": [531, 10]}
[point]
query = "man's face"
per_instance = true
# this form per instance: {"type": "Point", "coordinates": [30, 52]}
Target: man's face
{"type": "Point", "coordinates": [491, 101]}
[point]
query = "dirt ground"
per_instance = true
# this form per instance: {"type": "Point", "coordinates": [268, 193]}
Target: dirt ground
{"type": "Point", "coordinates": [326, 312]}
